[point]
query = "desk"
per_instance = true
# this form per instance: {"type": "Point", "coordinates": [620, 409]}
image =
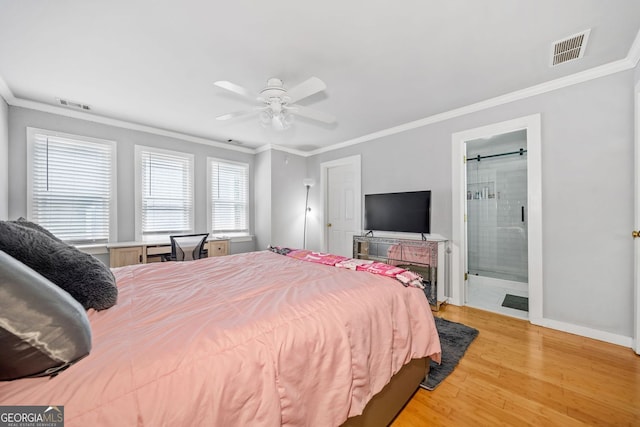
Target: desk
{"type": "Point", "coordinates": [127, 253]}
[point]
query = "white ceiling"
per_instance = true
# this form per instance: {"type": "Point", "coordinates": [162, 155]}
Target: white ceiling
{"type": "Point", "coordinates": [385, 63]}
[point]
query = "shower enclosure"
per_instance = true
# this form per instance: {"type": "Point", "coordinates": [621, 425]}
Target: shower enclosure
{"type": "Point", "coordinates": [497, 207]}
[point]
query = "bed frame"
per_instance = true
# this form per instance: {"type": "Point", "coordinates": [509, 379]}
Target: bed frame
{"type": "Point", "coordinates": [384, 406]}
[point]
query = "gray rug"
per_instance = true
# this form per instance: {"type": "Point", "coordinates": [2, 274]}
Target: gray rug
{"type": "Point", "coordinates": [514, 301]}
{"type": "Point", "coordinates": [454, 340]}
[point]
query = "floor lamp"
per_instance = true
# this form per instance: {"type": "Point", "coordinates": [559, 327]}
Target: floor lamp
{"type": "Point", "coordinates": [307, 182]}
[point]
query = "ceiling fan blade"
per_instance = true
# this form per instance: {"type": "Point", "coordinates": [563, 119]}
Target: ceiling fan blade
{"type": "Point", "coordinates": [238, 114]}
{"type": "Point", "coordinates": [232, 87]}
{"type": "Point", "coordinates": [306, 88]}
{"type": "Point", "coordinates": [311, 113]}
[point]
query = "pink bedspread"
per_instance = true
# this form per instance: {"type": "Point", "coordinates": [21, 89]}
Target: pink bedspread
{"type": "Point", "coordinates": [255, 339]}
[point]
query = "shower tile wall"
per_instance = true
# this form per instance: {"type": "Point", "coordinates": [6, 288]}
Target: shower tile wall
{"type": "Point", "coordinates": [497, 236]}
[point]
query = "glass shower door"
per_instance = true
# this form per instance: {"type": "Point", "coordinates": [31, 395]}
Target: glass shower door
{"type": "Point", "coordinates": [496, 215]}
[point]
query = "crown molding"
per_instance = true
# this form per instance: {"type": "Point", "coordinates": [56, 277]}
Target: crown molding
{"type": "Point", "coordinates": [61, 111]}
{"type": "Point", "coordinates": [573, 79]}
{"type": "Point", "coordinates": [634, 51]}
{"type": "Point", "coordinates": [264, 148]}
{"type": "Point", "coordinates": [289, 150]}
{"type": "Point", "coordinates": [5, 92]}
{"type": "Point", "coordinates": [268, 147]}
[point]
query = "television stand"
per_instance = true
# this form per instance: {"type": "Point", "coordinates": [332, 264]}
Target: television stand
{"type": "Point", "coordinates": [428, 258]}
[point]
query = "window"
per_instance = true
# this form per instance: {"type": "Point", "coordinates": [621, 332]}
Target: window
{"type": "Point", "coordinates": [71, 185]}
{"type": "Point", "coordinates": [228, 197]}
{"type": "Point", "coordinates": [164, 188]}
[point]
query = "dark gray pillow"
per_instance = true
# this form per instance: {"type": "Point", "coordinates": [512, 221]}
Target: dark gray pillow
{"type": "Point", "coordinates": [84, 276]}
{"type": "Point", "coordinates": [25, 223]}
{"type": "Point", "coordinates": [43, 330]}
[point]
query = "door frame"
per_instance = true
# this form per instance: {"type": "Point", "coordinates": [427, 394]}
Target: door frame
{"type": "Point", "coordinates": [355, 163]}
{"type": "Point", "coordinates": [636, 243]}
{"type": "Point", "coordinates": [532, 124]}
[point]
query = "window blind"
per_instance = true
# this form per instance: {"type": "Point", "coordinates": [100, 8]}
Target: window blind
{"type": "Point", "coordinates": [71, 187]}
{"type": "Point", "coordinates": [166, 192]}
{"type": "Point", "coordinates": [229, 197]}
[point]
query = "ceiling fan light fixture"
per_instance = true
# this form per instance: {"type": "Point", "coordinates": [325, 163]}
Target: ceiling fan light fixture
{"type": "Point", "coordinates": [277, 121]}
{"type": "Point", "coordinates": [288, 119]}
{"type": "Point", "coordinates": [278, 104]}
{"type": "Point", "coordinates": [281, 121]}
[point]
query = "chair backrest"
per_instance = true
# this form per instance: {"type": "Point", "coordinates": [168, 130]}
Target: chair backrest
{"type": "Point", "coordinates": [187, 247]}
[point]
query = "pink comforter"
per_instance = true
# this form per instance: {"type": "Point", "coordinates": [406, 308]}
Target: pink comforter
{"type": "Point", "coordinates": [250, 339]}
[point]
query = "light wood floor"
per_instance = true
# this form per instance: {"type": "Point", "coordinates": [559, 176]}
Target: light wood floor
{"type": "Point", "coordinates": [517, 374]}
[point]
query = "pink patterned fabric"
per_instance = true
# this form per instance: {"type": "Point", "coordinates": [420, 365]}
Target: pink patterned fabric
{"type": "Point", "coordinates": [352, 263]}
{"type": "Point", "coordinates": [254, 339]}
{"type": "Point", "coordinates": [381, 268]}
{"type": "Point", "coordinates": [317, 257]}
{"type": "Point", "coordinates": [409, 278]}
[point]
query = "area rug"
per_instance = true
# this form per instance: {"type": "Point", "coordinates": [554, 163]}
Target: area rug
{"type": "Point", "coordinates": [514, 301]}
{"type": "Point", "coordinates": [454, 340]}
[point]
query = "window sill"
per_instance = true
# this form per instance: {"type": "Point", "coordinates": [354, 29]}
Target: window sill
{"type": "Point", "coordinates": [101, 248]}
{"type": "Point", "coordinates": [234, 239]}
{"type": "Point", "coordinates": [98, 249]}
{"type": "Point", "coordinates": [239, 239]}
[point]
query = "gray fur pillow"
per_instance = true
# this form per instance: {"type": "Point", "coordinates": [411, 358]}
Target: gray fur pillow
{"type": "Point", "coordinates": [83, 276]}
{"type": "Point", "coordinates": [23, 222]}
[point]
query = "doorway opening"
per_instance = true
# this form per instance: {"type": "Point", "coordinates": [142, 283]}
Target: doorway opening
{"type": "Point", "coordinates": [529, 126]}
{"type": "Point", "coordinates": [636, 261]}
{"type": "Point", "coordinates": [497, 235]}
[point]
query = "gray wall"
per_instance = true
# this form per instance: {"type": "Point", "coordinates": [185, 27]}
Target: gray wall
{"type": "Point", "coordinates": [280, 197]}
{"type": "Point", "coordinates": [587, 185]}
{"type": "Point", "coordinates": [262, 200]}
{"type": "Point", "coordinates": [287, 198]}
{"type": "Point", "coordinates": [4, 160]}
{"type": "Point", "coordinates": [418, 159]}
{"type": "Point", "coordinates": [21, 118]}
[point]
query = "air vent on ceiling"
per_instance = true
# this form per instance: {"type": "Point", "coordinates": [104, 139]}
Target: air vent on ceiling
{"type": "Point", "coordinates": [569, 48]}
{"type": "Point", "coordinates": [73, 104]}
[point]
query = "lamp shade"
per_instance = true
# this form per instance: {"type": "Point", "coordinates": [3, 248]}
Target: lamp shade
{"type": "Point", "coordinates": [308, 182]}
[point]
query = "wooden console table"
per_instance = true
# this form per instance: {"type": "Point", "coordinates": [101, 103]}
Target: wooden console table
{"type": "Point", "coordinates": [127, 253]}
{"type": "Point", "coordinates": [425, 257]}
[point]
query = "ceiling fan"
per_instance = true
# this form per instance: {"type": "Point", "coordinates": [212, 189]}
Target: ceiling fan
{"type": "Point", "coordinates": [277, 104]}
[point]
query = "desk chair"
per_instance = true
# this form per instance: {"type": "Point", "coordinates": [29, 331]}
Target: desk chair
{"type": "Point", "coordinates": [187, 247]}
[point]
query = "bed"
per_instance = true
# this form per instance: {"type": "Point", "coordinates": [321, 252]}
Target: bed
{"type": "Point", "coordinates": [248, 339]}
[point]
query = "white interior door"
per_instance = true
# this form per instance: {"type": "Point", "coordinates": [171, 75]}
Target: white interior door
{"type": "Point", "coordinates": [636, 244]}
{"type": "Point", "coordinates": [342, 217]}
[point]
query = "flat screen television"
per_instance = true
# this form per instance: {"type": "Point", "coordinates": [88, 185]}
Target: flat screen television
{"type": "Point", "coordinates": [408, 212]}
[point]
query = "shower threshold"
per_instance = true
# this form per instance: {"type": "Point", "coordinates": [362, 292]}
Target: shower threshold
{"type": "Point", "coordinates": [488, 293]}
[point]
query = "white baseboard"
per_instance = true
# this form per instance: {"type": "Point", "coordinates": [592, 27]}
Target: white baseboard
{"type": "Point", "coordinates": [580, 330]}
{"type": "Point", "coordinates": [586, 332]}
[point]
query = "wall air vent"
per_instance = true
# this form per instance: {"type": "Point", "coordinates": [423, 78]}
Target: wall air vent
{"type": "Point", "coordinates": [73, 104]}
{"type": "Point", "coordinates": [569, 48]}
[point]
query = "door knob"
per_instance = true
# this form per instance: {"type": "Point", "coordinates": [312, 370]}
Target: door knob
{"type": "Point", "coordinates": [635, 234]}
{"type": "Point", "coordinates": [329, 225]}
